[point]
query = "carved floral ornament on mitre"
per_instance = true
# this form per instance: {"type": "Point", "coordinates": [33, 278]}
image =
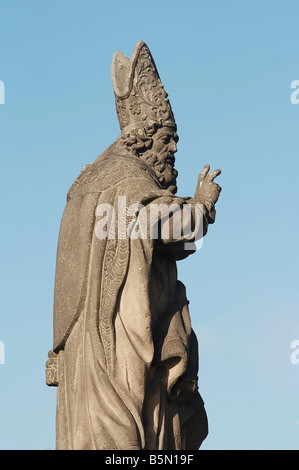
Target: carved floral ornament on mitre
{"type": "Point", "coordinates": [139, 94]}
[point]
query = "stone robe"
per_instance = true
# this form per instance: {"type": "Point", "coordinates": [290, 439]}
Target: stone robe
{"type": "Point", "coordinates": [127, 356]}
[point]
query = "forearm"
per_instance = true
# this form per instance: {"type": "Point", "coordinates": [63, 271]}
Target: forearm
{"type": "Point", "coordinates": [185, 222]}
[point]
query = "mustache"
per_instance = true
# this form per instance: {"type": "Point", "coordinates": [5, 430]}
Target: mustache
{"type": "Point", "coordinates": [167, 157]}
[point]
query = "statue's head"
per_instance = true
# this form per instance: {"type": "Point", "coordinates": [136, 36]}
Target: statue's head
{"type": "Point", "coordinates": [148, 128]}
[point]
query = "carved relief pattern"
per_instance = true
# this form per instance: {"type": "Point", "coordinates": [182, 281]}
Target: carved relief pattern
{"type": "Point", "coordinates": [150, 88]}
{"type": "Point", "coordinates": [148, 99]}
{"type": "Point", "coordinates": [121, 112]}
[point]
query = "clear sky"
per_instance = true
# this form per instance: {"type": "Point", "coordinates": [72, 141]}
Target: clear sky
{"type": "Point", "coordinates": [228, 68]}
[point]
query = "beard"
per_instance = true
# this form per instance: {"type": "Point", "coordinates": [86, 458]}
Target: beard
{"type": "Point", "coordinates": [163, 166]}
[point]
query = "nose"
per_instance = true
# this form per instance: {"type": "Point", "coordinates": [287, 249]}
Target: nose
{"type": "Point", "coordinates": [172, 146]}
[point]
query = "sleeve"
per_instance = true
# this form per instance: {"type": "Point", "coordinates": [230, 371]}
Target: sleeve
{"type": "Point", "coordinates": [178, 225]}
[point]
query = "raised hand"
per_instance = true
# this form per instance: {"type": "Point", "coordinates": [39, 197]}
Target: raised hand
{"type": "Point", "coordinates": [207, 191]}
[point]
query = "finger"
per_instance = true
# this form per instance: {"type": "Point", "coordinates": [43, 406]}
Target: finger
{"type": "Point", "coordinates": [211, 176]}
{"type": "Point", "coordinates": [204, 172]}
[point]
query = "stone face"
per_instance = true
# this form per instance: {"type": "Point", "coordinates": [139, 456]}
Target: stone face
{"type": "Point", "coordinates": [125, 357]}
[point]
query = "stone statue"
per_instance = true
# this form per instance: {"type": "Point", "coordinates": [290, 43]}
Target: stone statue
{"type": "Point", "coordinates": [125, 358]}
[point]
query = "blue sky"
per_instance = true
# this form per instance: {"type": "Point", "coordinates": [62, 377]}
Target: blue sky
{"type": "Point", "coordinates": [228, 68]}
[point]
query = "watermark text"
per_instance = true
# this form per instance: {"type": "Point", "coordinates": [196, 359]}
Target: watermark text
{"type": "Point", "coordinates": [2, 352]}
{"type": "Point", "coordinates": [295, 354]}
{"type": "Point", "coordinates": [295, 94]}
{"type": "Point", "coordinates": [167, 222]}
{"type": "Point", "coordinates": [2, 92]}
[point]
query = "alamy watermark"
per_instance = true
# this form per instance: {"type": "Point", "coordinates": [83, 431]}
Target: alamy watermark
{"type": "Point", "coordinates": [295, 94]}
{"type": "Point", "coordinates": [294, 357]}
{"type": "Point", "coordinates": [2, 353]}
{"type": "Point", "coordinates": [2, 92]}
{"type": "Point", "coordinates": [167, 222]}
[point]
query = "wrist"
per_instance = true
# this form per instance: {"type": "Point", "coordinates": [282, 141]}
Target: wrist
{"type": "Point", "coordinates": [209, 204]}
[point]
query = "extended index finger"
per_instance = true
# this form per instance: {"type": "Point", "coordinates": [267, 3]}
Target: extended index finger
{"type": "Point", "coordinates": [211, 176]}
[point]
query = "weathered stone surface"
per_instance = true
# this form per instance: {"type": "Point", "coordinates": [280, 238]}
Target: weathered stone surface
{"type": "Point", "coordinates": [125, 357]}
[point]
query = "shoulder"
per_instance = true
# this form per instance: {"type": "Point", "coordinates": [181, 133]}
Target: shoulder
{"type": "Point", "coordinates": [112, 167]}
